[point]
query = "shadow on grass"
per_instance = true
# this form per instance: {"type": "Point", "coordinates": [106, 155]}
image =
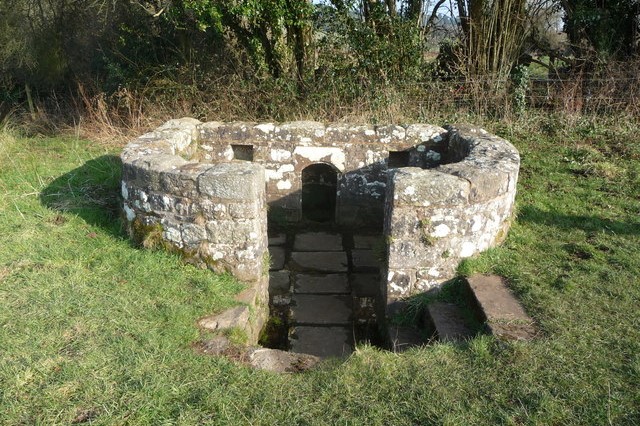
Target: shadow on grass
{"type": "Point", "coordinates": [583, 222]}
{"type": "Point", "coordinates": [91, 192]}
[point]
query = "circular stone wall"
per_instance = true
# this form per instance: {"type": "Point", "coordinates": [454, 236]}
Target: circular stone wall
{"type": "Point", "coordinates": [202, 189]}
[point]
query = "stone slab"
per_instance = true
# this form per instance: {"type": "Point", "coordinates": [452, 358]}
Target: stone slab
{"type": "Point", "coordinates": [279, 282]}
{"type": "Point", "coordinates": [365, 285]}
{"type": "Point", "coordinates": [404, 338]}
{"type": "Point", "coordinates": [237, 316]}
{"type": "Point", "coordinates": [504, 316]}
{"type": "Point", "coordinates": [317, 241]}
{"type": "Point", "coordinates": [277, 239]}
{"type": "Point", "coordinates": [324, 261]}
{"type": "Point", "coordinates": [366, 242]}
{"type": "Point", "coordinates": [365, 260]}
{"type": "Point", "coordinates": [277, 255]}
{"type": "Point", "coordinates": [318, 284]}
{"type": "Point", "coordinates": [312, 309]}
{"type": "Point", "coordinates": [323, 342]}
{"type": "Point", "coordinates": [280, 361]}
{"type": "Point", "coordinates": [449, 322]}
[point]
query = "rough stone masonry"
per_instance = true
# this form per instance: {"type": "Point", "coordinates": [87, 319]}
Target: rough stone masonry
{"type": "Point", "coordinates": [205, 190]}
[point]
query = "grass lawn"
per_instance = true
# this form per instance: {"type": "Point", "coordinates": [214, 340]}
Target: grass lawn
{"type": "Point", "coordinates": [95, 330]}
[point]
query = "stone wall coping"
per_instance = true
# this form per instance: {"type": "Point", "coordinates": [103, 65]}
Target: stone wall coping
{"type": "Point", "coordinates": [177, 135]}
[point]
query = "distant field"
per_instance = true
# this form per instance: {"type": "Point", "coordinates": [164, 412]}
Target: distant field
{"type": "Point", "coordinates": [95, 330]}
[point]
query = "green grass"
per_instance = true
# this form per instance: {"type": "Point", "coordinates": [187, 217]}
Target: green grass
{"type": "Point", "coordinates": [94, 329]}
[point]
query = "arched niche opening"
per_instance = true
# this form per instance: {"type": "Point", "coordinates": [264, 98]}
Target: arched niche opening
{"type": "Point", "coordinates": [319, 189]}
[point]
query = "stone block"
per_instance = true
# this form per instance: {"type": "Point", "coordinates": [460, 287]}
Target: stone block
{"type": "Point", "coordinates": [417, 187]}
{"type": "Point", "coordinates": [367, 241]}
{"type": "Point", "coordinates": [323, 342]}
{"type": "Point", "coordinates": [314, 309]}
{"type": "Point", "coordinates": [318, 284]}
{"type": "Point", "coordinates": [279, 361]}
{"type": "Point", "coordinates": [505, 317]}
{"type": "Point", "coordinates": [193, 235]}
{"type": "Point", "coordinates": [233, 317]}
{"type": "Point", "coordinates": [448, 322]}
{"type": "Point", "coordinates": [326, 261]}
{"type": "Point", "coordinates": [233, 181]}
{"type": "Point", "coordinates": [305, 132]}
{"type": "Point", "coordinates": [365, 260]}
{"type": "Point", "coordinates": [277, 239]}
{"type": "Point", "coordinates": [365, 285]}
{"type": "Point", "coordinates": [277, 255]}
{"type": "Point", "coordinates": [279, 282]}
{"type": "Point", "coordinates": [317, 241]}
{"type": "Point", "coordinates": [487, 182]}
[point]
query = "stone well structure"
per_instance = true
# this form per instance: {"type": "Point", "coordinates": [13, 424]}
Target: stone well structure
{"type": "Point", "coordinates": [206, 190]}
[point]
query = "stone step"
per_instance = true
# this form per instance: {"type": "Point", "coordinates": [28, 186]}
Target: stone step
{"type": "Point", "coordinates": [317, 241]}
{"type": "Point", "coordinates": [277, 239]}
{"type": "Point", "coordinates": [367, 242]}
{"type": "Point", "coordinates": [365, 285]}
{"type": "Point", "coordinates": [322, 261]}
{"type": "Point", "coordinates": [499, 309]}
{"type": "Point", "coordinates": [321, 309]}
{"type": "Point", "coordinates": [448, 322]}
{"type": "Point", "coordinates": [323, 342]}
{"type": "Point", "coordinates": [278, 282]}
{"type": "Point", "coordinates": [365, 261]}
{"type": "Point", "coordinates": [317, 284]}
{"type": "Point", "coordinates": [277, 256]}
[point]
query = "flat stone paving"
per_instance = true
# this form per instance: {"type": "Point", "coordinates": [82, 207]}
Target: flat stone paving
{"type": "Point", "coordinates": [323, 342]}
{"type": "Point", "coordinates": [319, 284]}
{"type": "Point", "coordinates": [320, 261]}
{"type": "Point", "coordinates": [279, 282]}
{"type": "Point", "coordinates": [321, 309]}
{"type": "Point", "coordinates": [317, 241]}
{"type": "Point", "coordinates": [324, 289]}
{"type": "Point", "coordinates": [365, 260]}
{"type": "Point", "coordinates": [366, 241]}
{"type": "Point", "coordinates": [365, 285]}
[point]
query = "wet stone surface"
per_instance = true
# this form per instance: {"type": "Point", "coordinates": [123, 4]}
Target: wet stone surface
{"type": "Point", "coordinates": [277, 255]}
{"type": "Point", "coordinates": [322, 342]}
{"type": "Point", "coordinates": [321, 309]}
{"type": "Point", "coordinates": [321, 284]}
{"type": "Point", "coordinates": [320, 261]}
{"type": "Point", "coordinates": [321, 303]}
{"type": "Point", "coordinates": [317, 241]}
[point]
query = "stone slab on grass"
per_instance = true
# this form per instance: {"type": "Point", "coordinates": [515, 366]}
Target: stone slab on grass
{"type": "Point", "coordinates": [277, 255]}
{"type": "Point", "coordinates": [324, 261]}
{"type": "Point", "coordinates": [323, 342]}
{"type": "Point", "coordinates": [280, 361]}
{"type": "Point", "coordinates": [404, 338]}
{"type": "Point", "coordinates": [505, 317]}
{"type": "Point", "coordinates": [279, 282]}
{"type": "Point", "coordinates": [234, 317]}
{"type": "Point", "coordinates": [327, 283]}
{"type": "Point", "coordinates": [317, 241]}
{"type": "Point", "coordinates": [449, 322]}
{"type": "Point", "coordinates": [323, 309]}
{"type": "Point", "coordinates": [366, 242]}
{"type": "Point", "coordinates": [365, 260]}
{"type": "Point", "coordinates": [365, 285]}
